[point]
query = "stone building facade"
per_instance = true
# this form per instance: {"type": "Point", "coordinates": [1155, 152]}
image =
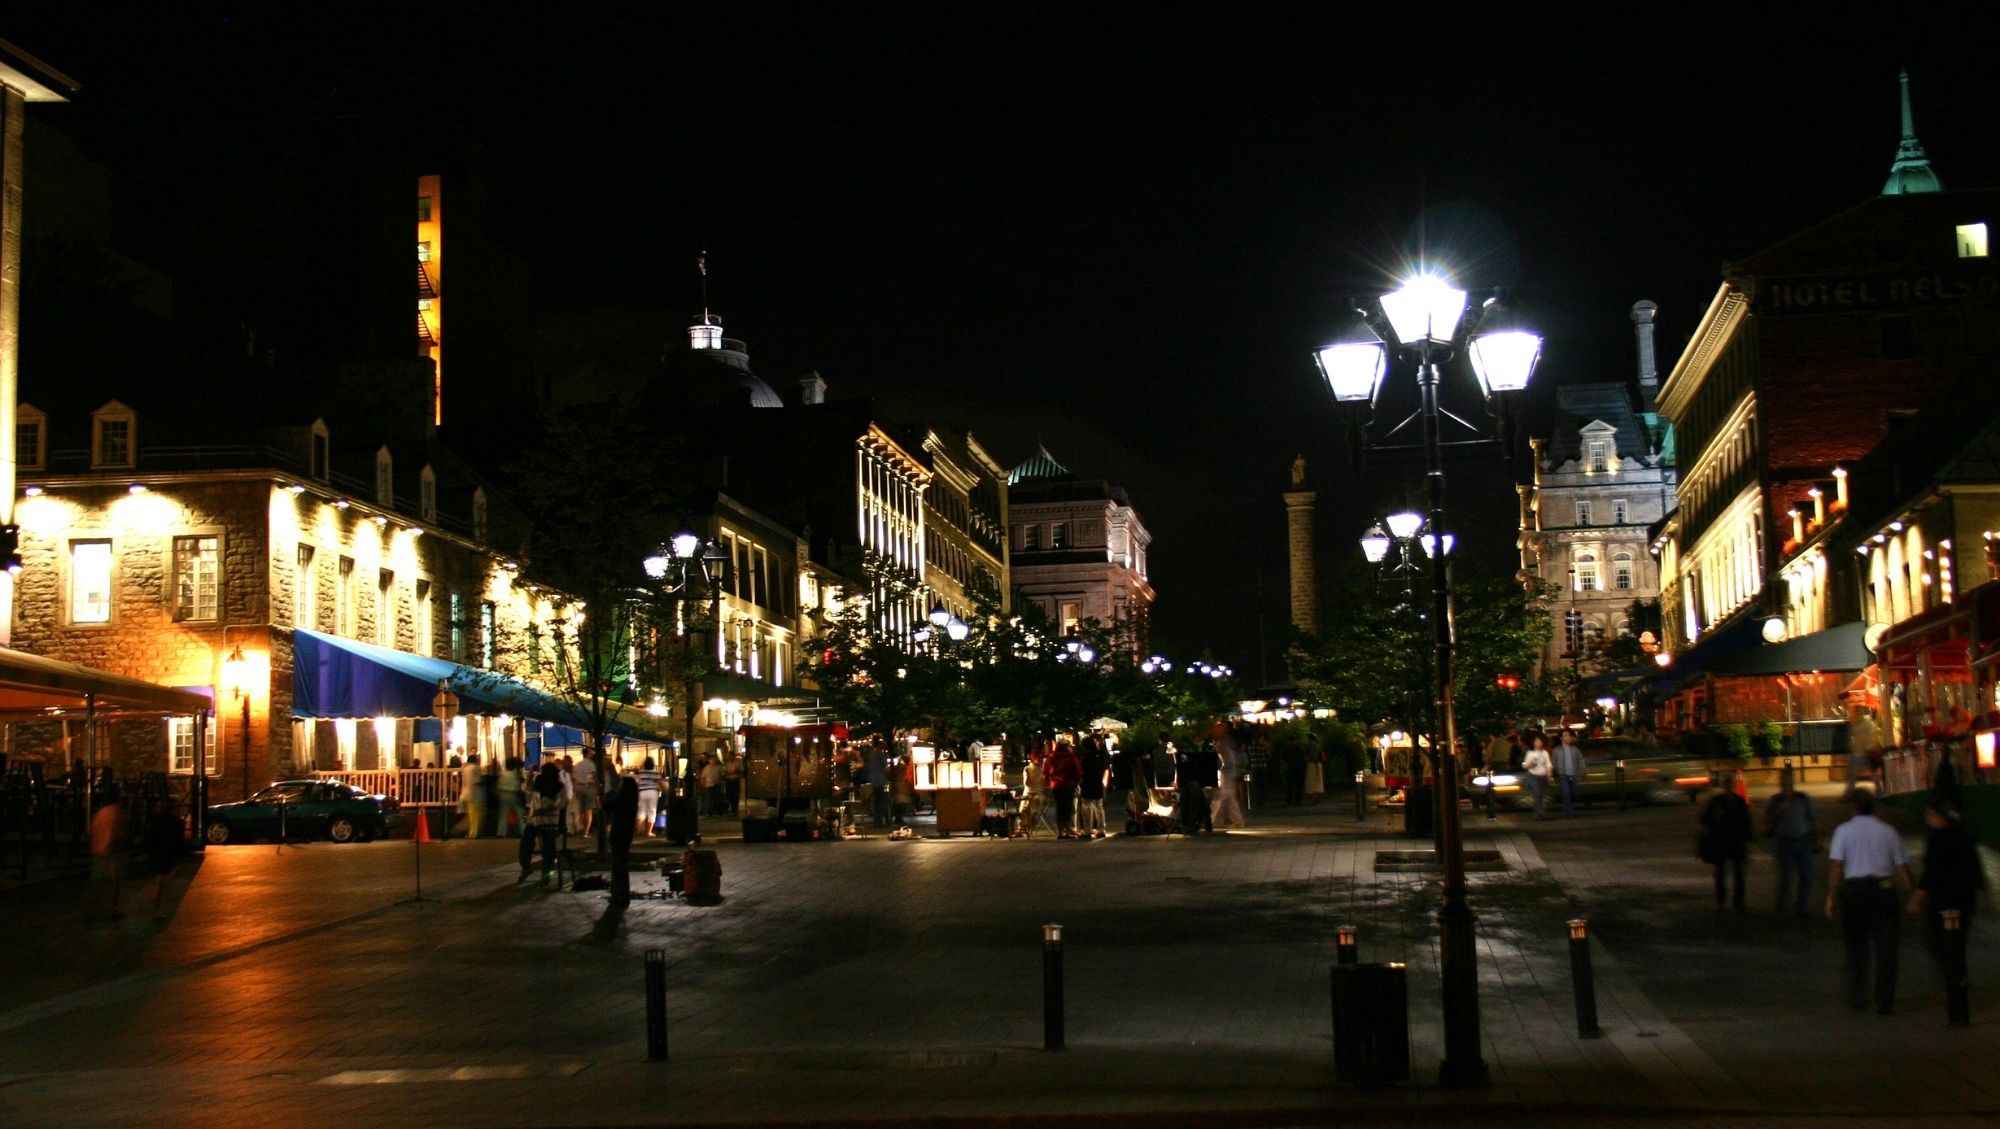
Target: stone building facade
{"type": "Point", "coordinates": [1080, 551]}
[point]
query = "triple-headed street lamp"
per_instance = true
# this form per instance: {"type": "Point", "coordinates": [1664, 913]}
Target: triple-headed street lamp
{"type": "Point", "coordinates": [1405, 533]}
{"type": "Point", "coordinates": [677, 565]}
{"type": "Point", "coordinates": [1424, 320]}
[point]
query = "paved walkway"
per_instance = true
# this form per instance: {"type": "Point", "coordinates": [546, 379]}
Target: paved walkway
{"type": "Point", "coordinates": [899, 983]}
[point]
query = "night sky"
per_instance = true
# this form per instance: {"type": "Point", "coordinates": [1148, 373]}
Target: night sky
{"type": "Point", "coordinates": [1118, 230]}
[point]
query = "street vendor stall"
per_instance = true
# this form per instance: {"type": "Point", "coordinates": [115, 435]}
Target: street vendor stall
{"type": "Point", "coordinates": [963, 792]}
{"type": "Point", "coordinates": [787, 780]}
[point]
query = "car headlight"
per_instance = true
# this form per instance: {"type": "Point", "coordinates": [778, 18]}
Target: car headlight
{"type": "Point", "coordinates": [1497, 780]}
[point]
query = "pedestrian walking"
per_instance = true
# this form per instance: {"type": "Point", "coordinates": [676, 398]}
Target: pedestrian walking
{"type": "Point", "coordinates": [1864, 745]}
{"type": "Point", "coordinates": [1315, 762]}
{"type": "Point", "coordinates": [471, 797]}
{"type": "Point", "coordinates": [1094, 764]}
{"type": "Point", "coordinates": [545, 814]}
{"type": "Point", "coordinates": [1951, 879]}
{"type": "Point", "coordinates": [583, 793]}
{"type": "Point", "coordinates": [508, 820]}
{"type": "Point", "coordinates": [1200, 770]}
{"type": "Point", "coordinates": [621, 818]}
{"type": "Point", "coordinates": [1226, 808]}
{"type": "Point", "coordinates": [1034, 795]}
{"type": "Point", "coordinates": [1063, 771]}
{"type": "Point", "coordinates": [1791, 821]}
{"type": "Point", "coordinates": [1537, 767]}
{"type": "Point", "coordinates": [1864, 862]}
{"type": "Point", "coordinates": [1569, 764]}
{"type": "Point", "coordinates": [1293, 758]}
{"type": "Point", "coordinates": [164, 847]}
{"type": "Point", "coordinates": [107, 854]}
{"type": "Point", "coordinates": [1725, 840]}
{"type": "Point", "coordinates": [647, 781]}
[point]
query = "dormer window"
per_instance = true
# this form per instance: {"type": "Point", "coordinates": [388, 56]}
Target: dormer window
{"type": "Point", "coordinates": [1599, 453]}
{"type": "Point", "coordinates": [427, 495]}
{"type": "Point", "coordinates": [385, 478]}
{"type": "Point", "coordinates": [31, 439]}
{"type": "Point", "coordinates": [322, 451]}
{"type": "Point", "coordinates": [114, 434]}
{"type": "Point", "coordinates": [479, 516]}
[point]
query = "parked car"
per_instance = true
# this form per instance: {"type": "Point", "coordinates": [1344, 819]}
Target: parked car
{"type": "Point", "coordinates": [302, 809]}
{"type": "Point", "coordinates": [1653, 774]}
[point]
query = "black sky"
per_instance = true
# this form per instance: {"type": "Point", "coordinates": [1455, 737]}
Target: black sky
{"type": "Point", "coordinates": [1114, 229]}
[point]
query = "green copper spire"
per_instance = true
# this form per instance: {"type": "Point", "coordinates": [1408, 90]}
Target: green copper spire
{"type": "Point", "coordinates": [1911, 171]}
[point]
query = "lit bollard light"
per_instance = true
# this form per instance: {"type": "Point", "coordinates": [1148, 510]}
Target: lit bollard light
{"type": "Point", "coordinates": [1346, 951]}
{"type": "Point", "coordinates": [1360, 797]}
{"type": "Point", "coordinates": [656, 1005]}
{"type": "Point", "coordinates": [1957, 994]}
{"type": "Point", "coordinates": [1583, 979]}
{"type": "Point", "coordinates": [1052, 988]}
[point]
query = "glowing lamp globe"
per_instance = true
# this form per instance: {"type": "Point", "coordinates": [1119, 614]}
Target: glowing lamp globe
{"type": "Point", "coordinates": [1426, 308]}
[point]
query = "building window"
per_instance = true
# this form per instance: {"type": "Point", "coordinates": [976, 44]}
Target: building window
{"type": "Point", "coordinates": [457, 610]}
{"type": "Point", "coordinates": [1586, 573]}
{"type": "Point", "coordinates": [1621, 571]}
{"type": "Point", "coordinates": [1899, 338]}
{"type": "Point", "coordinates": [1618, 511]}
{"type": "Point", "coordinates": [90, 581]}
{"type": "Point", "coordinates": [180, 737]}
{"type": "Point", "coordinates": [425, 623]}
{"type": "Point", "coordinates": [489, 630]}
{"type": "Point", "coordinates": [305, 591]}
{"type": "Point", "coordinates": [322, 452]}
{"type": "Point", "coordinates": [427, 495]}
{"type": "Point", "coordinates": [197, 578]}
{"type": "Point", "coordinates": [1071, 618]}
{"type": "Point", "coordinates": [534, 648]}
{"type": "Point", "coordinates": [423, 211]}
{"type": "Point", "coordinates": [1972, 241]}
{"type": "Point", "coordinates": [1059, 536]}
{"type": "Point", "coordinates": [1031, 537]}
{"type": "Point", "coordinates": [424, 251]}
{"type": "Point", "coordinates": [1600, 457]}
{"type": "Point", "coordinates": [343, 600]}
{"type": "Point", "coordinates": [1582, 512]}
{"type": "Point", "coordinates": [30, 439]}
{"type": "Point", "coordinates": [111, 442]}
{"type": "Point", "coordinates": [385, 608]}
{"type": "Point", "coordinates": [385, 478]}
{"type": "Point", "coordinates": [479, 514]}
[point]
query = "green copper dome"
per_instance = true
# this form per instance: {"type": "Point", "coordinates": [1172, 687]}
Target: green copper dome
{"type": "Point", "coordinates": [1911, 172]}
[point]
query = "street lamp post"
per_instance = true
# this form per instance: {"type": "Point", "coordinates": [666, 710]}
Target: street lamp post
{"type": "Point", "coordinates": [1406, 532]}
{"type": "Point", "coordinates": [676, 565]}
{"type": "Point", "coordinates": [1425, 320]}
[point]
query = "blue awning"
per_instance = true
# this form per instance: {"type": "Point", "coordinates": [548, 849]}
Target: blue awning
{"type": "Point", "coordinates": [335, 677]}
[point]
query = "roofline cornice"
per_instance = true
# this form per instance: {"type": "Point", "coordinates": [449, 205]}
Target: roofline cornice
{"type": "Point", "coordinates": [1718, 325]}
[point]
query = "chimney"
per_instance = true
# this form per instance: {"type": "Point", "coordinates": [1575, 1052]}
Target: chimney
{"type": "Point", "coordinates": [1649, 369]}
{"type": "Point", "coordinates": [812, 389]}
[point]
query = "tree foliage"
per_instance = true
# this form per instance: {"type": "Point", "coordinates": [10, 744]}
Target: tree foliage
{"type": "Point", "coordinates": [1373, 661]}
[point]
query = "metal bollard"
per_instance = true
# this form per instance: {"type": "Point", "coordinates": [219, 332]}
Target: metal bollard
{"type": "Point", "coordinates": [1346, 951]}
{"type": "Point", "coordinates": [656, 1004]}
{"type": "Point", "coordinates": [1584, 981]}
{"type": "Point", "coordinates": [1360, 797]}
{"type": "Point", "coordinates": [1957, 994]}
{"type": "Point", "coordinates": [1618, 785]}
{"type": "Point", "coordinates": [1492, 808]}
{"type": "Point", "coordinates": [1052, 988]}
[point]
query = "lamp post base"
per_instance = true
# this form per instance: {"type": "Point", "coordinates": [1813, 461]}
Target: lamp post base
{"type": "Point", "coordinates": [1463, 1068]}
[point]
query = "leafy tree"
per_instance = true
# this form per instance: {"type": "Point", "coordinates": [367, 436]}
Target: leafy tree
{"type": "Point", "coordinates": [863, 662]}
{"type": "Point", "coordinates": [1373, 661]}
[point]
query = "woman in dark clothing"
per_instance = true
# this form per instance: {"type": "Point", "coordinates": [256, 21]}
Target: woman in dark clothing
{"type": "Point", "coordinates": [1952, 879]}
{"type": "Point", "coordinates": [1725, 837]}
{"type": "Point", "coordinates": [545, 815]}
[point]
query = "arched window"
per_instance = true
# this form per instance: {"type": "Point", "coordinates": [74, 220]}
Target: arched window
{"type": "Point", "coordinates": [427, 494]}
{"type": "Point", "coordinates": [1587, 579]}
{"type": "Point", "coordinates": [385, 477]}
{"type": "Point", "coordinates": [1621, 570]}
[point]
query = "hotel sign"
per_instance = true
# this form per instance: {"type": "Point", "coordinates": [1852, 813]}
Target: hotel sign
{"type": "Point", "coordinates": [1791, 296]}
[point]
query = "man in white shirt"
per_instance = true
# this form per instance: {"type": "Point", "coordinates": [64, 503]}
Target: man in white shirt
{"type": "Point", "coordinates": [1865, 861]}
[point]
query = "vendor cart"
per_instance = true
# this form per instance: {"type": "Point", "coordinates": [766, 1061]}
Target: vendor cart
{"type": "Point", "coordinates": [787, 779]}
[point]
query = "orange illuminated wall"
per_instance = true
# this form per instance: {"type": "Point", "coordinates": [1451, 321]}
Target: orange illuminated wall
{"type": "Point", "coordinates": [430, 286]}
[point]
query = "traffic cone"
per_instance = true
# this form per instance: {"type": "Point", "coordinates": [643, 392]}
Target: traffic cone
{"type": "Point", "coordinates": [420, 832]}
